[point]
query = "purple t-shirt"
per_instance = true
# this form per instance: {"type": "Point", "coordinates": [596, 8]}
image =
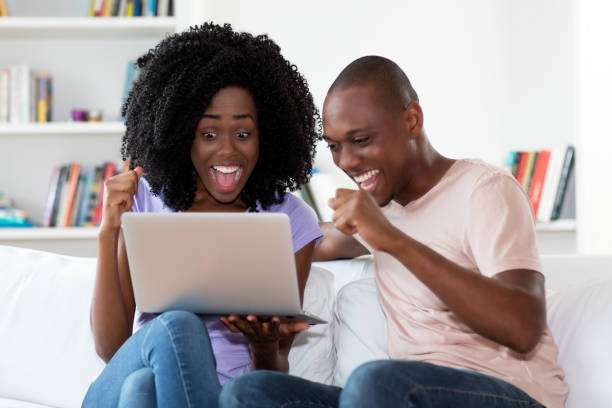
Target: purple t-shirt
{"type": "Point", "coordinates": [231, 349]}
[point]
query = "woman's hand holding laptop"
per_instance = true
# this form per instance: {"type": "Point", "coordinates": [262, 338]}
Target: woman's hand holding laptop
{"type": "Point", "coordinates": [263, 331]}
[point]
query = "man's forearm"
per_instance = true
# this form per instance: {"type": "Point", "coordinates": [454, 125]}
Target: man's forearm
{"type": "Point", "coordinates": [490, 307]}
{"type": "Point", "coordinates": [336, 245]}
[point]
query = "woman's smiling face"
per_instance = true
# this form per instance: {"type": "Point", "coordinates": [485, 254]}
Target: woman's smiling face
{"type": "Point", "coordinates": [226, 144]}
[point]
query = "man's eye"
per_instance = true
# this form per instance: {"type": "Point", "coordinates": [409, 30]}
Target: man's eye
{"type": "Point", "coordinates": [361, 141]}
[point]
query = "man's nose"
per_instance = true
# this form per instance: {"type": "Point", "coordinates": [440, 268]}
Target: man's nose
{"type": "Point", "coordinates": [348, 160]}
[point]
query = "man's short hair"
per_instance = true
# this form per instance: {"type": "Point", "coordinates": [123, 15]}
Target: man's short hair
{"type": "Point", "coordinates": [382, 73]}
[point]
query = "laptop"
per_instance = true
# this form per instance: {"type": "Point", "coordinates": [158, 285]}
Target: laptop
{"type": "Point", "coordinates": [214, 263]}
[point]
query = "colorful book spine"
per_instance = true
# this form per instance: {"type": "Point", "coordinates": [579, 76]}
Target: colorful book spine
{"type": "Point", "coordinates": [47, 220]}
{"type": "Point", "coordinates": [537, 183]}
{"type": "Point", "coordinates": [73, 182]}
{"type": "Point", "coordinates": [568, 164]}
{"type": "Point", "coordinates": [3, 9]}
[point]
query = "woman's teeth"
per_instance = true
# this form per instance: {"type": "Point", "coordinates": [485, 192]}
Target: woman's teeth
{"type": "Point", "coordinates": [226, 169]}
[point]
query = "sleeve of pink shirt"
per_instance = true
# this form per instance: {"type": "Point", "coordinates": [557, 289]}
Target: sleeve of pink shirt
{"type": "Point", "coordinates": [501, 230]}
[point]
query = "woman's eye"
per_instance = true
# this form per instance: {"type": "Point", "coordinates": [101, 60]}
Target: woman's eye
{"type": "Point", "coordinates": [243, 135]}
{"type": "Point", "coordinates": [361, 141]}
{"type": "Point", "coordinates": [209, 135]}
{"type": "Point", "coordinates": [333, 147]}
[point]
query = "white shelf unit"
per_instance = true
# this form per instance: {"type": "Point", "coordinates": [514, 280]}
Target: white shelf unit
{"type": "Point", "coordinates": [36, 27]}
{"type": "Point", "coordinates": [62, 128]}
{"type": "Point", "coordinates": [87, 58]}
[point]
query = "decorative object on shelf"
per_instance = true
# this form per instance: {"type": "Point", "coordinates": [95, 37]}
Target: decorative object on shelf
{"type": "Point", "coordinates": [75, 195]}
{"type": "Point", "coordinates": [84, 115]}
{"type": "Point", "coordinates": [25, 95]}
{"type": "Point", "coordinates": [547, 176]}
{"type": "Point", "coordinates": [94, 115]}
{"type": "Point", "coordinates": [11, 216]}
{"type": "Point", "coordinates": [131, 8]}
{"type": "Point", "coordinates": [79, 115]}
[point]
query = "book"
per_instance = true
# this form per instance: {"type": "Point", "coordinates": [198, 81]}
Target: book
{"type": "Point", "coordinates": [19, 94]}
{"type": "Point", "coordinates": [568, 165]}
{"type": "Point", "coordinates": [528, 175]}
{"type": "Point", "coordinates": [512, 162]}
{"type": "Point", "coordinates": [94, 193]}
{"type": "Point", "coordinates": [537, 181]}
{"type": "Point", "coordinates": [3, 9]}
{"type": "Point", "coordinates": [60, 198]}
{"type": "Point", "coordinates": [568, 206]}
{"type": "Point", "coordinates": [47, 220]}
{"type": "Point", "coordinates": [551, 182]}
{"type": "Point", "coordinates": [130, 77]}
{"type": "Point", "coordinates": [72, 185]}
{"type": "Point", "coordinates": [88, 176]}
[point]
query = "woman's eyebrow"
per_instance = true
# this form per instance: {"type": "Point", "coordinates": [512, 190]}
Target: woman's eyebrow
{"type": "Point", "coordinates": [237, 117]}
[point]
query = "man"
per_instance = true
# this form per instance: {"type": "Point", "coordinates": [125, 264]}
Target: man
{"type": "Point", "coordinates": [457, 267]}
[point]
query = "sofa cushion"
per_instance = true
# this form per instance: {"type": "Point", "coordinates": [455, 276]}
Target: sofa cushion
{"type": "Point", "coordinates": [48, 353]}
{"type": "Point", "coordinates": [580, 320]}
{"type": "Point", "coordinates": [45, 338]}
{"type": "Point", "coordinates": [360, 328]}
{"type": "Point", "coordinates": [312, 354]}
{"type": "Point", "coordinates": [11, 403]}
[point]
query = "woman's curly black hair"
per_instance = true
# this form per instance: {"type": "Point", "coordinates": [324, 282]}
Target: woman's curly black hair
{"type": "Point", "coordinates": [177, 81]}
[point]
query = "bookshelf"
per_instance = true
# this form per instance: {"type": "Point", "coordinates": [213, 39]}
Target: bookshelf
{"type": "Point", "coordinates": [62, 128]}
{"type": "Point", "coordinates": [87, 58]}
{"type": "Point", "coordinates": [121, 27]}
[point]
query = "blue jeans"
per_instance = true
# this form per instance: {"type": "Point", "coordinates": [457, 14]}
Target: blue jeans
{"type": "Point", "coordinates": [378, 384]}
{"type": "Point", "coordinates": [168, 363]}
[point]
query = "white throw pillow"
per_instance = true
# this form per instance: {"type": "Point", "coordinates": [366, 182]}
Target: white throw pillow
{"type": "Point", "coordinates": [46, 345]}
{"type": "Point", "coordinates": [312, 354]}
{"type": "Point", "coordinates": [360, 328]}
{"type": "Point", "coordinates": [580, 320]}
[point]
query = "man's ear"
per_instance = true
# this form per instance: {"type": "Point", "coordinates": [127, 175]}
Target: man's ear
{"type": "Point", "coordinates": [413, 118]}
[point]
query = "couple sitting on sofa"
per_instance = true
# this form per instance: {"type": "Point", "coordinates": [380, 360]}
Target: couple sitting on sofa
{"type": "Point", "coordinates": [220, 121]}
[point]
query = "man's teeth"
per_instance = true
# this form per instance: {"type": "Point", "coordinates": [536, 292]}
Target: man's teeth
{"type": "Point", "coordinates": [366, 176]}
{"type": "Point", "coordinates": [226, 169]}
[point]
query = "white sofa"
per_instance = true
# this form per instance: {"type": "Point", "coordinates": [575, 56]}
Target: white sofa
{"type": "Point", "coordinates": [47, 357]}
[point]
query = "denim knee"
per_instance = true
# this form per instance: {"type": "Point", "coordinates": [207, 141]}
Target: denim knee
{"type": "Point", "coordinates": [181, 318]}
{"type": "Point", "coordinates": [140, 382]}
{"type": "Point", "coordinates": [249, 388]}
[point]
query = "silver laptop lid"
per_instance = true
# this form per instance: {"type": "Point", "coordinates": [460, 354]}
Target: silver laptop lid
{"type": "Point", "coordinates": [214, 263]}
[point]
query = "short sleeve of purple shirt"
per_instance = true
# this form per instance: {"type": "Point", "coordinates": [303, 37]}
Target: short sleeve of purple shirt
{"type": "Point", "coordinates": [231, 349]}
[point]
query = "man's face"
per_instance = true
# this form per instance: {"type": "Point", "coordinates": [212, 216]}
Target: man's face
{"type": "Point", "coordinates": [368, 140]}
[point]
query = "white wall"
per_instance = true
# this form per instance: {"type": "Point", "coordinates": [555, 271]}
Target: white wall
{"type": "Point", "coordinates": [452, 57]}
{"type": "Point", "coordinates": [593, 127]}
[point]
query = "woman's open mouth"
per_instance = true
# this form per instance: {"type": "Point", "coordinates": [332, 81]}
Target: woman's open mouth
{"type": "Point", "coordinates": [225, 178]}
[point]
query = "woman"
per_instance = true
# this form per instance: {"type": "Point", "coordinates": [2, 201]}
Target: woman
{"type": "Point", "coordinates": [218, 121]}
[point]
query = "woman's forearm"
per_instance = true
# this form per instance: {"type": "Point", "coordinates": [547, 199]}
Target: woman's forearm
{"type": "Point", "coordinates": [109, 320]}
{"type": "Point", "coordinates": [269, 357]}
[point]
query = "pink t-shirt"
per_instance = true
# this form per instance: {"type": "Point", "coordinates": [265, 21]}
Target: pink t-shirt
{"type": "Point", "coordinates": [478, 217]}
